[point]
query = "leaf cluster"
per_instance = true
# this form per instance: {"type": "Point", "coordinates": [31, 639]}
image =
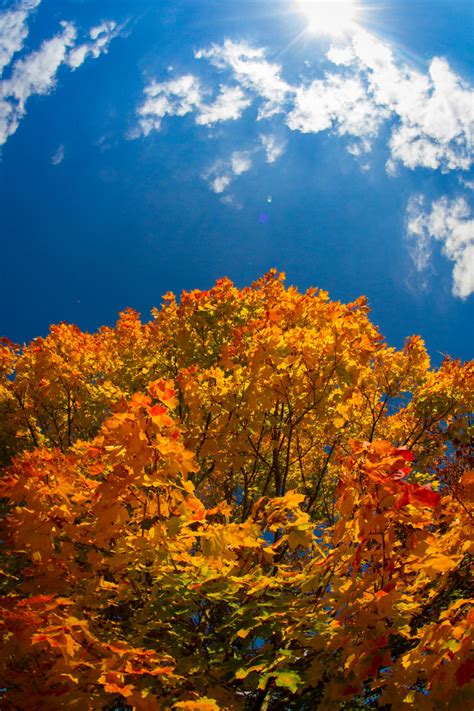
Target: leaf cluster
{"type": "Point", "coordinates": [250, 502]}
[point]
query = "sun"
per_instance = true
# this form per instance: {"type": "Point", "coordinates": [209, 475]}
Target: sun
{"type": "Point", "coordinates": [330, 17]}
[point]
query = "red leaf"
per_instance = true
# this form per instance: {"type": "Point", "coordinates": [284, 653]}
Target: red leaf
{"type": "Point", "coordinates": [403, 500]}
{"type": "Point", "coordinates": [156, 410]}
{"type": "Point", "coordinates": [405, 454]}
{"type": "Point", "coordinates": [417, 495]}
{"type": "Point", "coordinates": [425, 497]}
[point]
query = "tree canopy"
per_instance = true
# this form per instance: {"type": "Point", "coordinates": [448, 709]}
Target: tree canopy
{"type": "Point", "coordinates": [250, 502]}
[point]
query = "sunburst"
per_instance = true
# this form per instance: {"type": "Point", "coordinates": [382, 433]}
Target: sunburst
{"type": "Point", "coordinates": [330, 17]}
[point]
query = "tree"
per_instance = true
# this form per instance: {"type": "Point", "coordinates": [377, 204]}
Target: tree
{"type": "Point", "coordinates": [251, 502]}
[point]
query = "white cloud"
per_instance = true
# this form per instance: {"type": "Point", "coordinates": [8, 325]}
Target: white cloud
{"type": "Point", "coordinates": [420, 245]}
{"type": "Point", "coordinates": [103, 30]}
{"type": "Point", "coordinates": [229, 105]}
{"type": "Point", "coordinates": [36, 73]}
{"type": "Point", "coordinates": [240, 162]}
{"type": "Point", "coordinates": [220, 175]}
{"type": "Point", "coordinates": [336, 102]}
{"type": "Point", "coordinates": [220, 183]}
{"type": "Point", "coordinates": [449, 222]}
{"type": "Point", "coordinates": [436, 129]}
{"type": "Point", "coordinates": [341, 55]}
{"type": "Point", "coordinates": [58, 155]}
{"type": "Point", "coordinates": [252, 71]}
{"type": "Point", "coordinates": [14, 30]}
{"type": "Point", "coordinates": [469, 184]}
{"type": "Point", "coordinates": [273, 147]}
{"type": "Point", "coordinates": [231, 201]}
{"type": "Point", "coordinates": [183, 95]}
{"type": "Point", "coordinates": [33, 74]}
{"type": "Point", "coordinates": [428, 113]}
{"type": "Point", "coordinates": [359, 148]}
{"type": "Point", "coordinates": [77, 56]}
{"type": "Point", "coordinates": [432, 112]}
{"type": "Point", "coordinates": [176, 97]}
{"type": "Point", "coordinates": [101, 36]}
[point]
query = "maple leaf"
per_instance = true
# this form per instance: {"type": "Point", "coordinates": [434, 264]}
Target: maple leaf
{"type": "Point", "coordinates": [424, 495]}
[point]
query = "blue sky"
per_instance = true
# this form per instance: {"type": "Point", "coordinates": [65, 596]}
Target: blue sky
{"type": "Point", "coordinates": [151, 146]}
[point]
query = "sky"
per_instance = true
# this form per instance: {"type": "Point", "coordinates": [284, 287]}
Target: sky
{"type": "Point", "coordinates": [153, 146]}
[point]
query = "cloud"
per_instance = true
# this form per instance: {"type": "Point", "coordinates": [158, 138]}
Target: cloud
{"type": "Point", "coordinates": [36, 72]}
{"type": "Point", "coordinates": [436, 132]}
{"type": "Point", "coordinates": [240, 162]}
{"type": "Point", "coordinates": [252, 71]}
{"type": "Point", "coordinates": [176, 97]}
{"type": "Point", "coordinates": [220, 175]}
{"type": "Point", "coordinates": [273, 147]}
{"type": "Point", "coordinates": [431, 113]}
{"type": "Point", "coordinates": [183, 95]}
{"type": "Point", "coordinates": [229, 105]}
{"type": "Point", "coordinates": [336, 103]}
{"type": "Point", "coordinates": [341, 55]}
{"type": "Point", "coordinates": [418, 234]}
{"type": "Point", "coordinates": [101, 36]}
{"type": "Point", "coordinates": [427, 115]}
{"type": "Point", "coordinates": [14, 30]}
{"type": "Point", "coordinates": [33, 74]}
{"type": "Point", "coordinates": [449, 222]}
{"type": "Point", "coordinates": [220, 183]}
{"type": "Point", "coordinates": [469, 184]}
{"type": "Point", "coordinates": [231, 202]}
{"type": "Point", "coordinates": [58, 155]}
{"type": "Point", "coordinates": [359, 148]}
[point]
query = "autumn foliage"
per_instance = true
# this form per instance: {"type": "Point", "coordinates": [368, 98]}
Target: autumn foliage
{"type": "Point", "coordinates": [250, 502]}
